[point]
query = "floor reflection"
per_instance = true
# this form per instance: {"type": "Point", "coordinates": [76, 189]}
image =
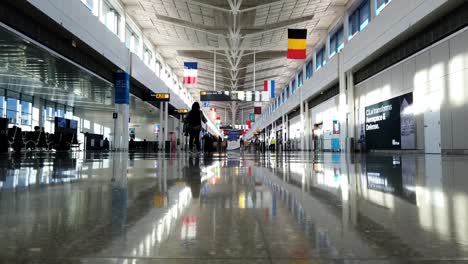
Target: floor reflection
{"type": "Point", "coordinates": [247, 208]}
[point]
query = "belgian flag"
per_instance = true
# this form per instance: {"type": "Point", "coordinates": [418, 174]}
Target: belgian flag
{"type": "Point", "coordinates": [297, 44]}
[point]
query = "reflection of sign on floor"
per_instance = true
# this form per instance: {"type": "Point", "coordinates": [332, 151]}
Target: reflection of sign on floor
{"type": "Point", "coordinates": [160, 200]}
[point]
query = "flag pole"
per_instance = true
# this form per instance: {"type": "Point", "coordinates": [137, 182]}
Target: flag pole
{"type": "Point", "coordinates": [214, 73]}
{"type": "Point", "coordinates": [254, 70]}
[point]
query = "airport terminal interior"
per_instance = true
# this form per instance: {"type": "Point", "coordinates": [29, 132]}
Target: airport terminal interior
{"type": "Point", "coordinates": [234, 131]}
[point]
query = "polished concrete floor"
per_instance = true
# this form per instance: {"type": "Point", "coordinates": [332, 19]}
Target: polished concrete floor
{"type": "Point", "coordinates": [234, 208]}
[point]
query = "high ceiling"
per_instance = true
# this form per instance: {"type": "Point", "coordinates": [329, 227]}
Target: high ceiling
{"type": "Point", "coordinates": [233, 31]}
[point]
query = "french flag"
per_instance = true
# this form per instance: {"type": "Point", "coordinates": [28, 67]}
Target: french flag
{"type": "Point", "coordinates": [190, 72]}
{"type": "Point", "coordinates": [269, 86]}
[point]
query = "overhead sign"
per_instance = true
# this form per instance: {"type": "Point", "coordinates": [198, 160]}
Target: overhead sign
{"type": "Point", "coordinates": [227, 96]}
{"type": "Point", "coordinates": [390, 124]}
{"type": "Point", "coordinates": [158, 97]}
{"type": "Point", "coordinates": [182, 111]}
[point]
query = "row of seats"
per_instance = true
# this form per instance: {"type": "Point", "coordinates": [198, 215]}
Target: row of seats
{"type": "Point", "coordinates": [16, 139]}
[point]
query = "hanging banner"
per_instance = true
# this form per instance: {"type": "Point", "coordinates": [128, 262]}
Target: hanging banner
{"type": "Point", "coordinates": [122, 88]}
{"type": "Point", "coordinates": [258, 110]}
{"type": "Point", "coordinates": [252, 117]}
{"type": "Point", "coordinates": [390, 124]}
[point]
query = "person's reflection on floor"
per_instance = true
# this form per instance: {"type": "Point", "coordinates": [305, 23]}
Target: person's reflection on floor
{"type": "Point", "coordinates": [192, 175]}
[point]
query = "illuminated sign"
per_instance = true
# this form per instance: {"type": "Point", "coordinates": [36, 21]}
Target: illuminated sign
{"type": "Point", "coordinates": [158, 97]}
{"type": "Point", "coordinates": [182, 111]}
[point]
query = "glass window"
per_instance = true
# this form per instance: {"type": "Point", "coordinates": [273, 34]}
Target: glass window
{"type": "Point", "coordinates": [49, 110]}
{"type": "Point", "coordinates": [26, 113]}
{"type": "Point", "coordinates": [359, 19]}
{"type": "Point", "coordinates": [293, 86]}
{"type": "Point", "coordinates": [320, 58]}
{"type": "Point", "coordinates": [336, 42]}
{"type": "Point", "coordinates": [12, 110]}
{"type": "Point", "coordinates": [147, 56]}
{"type": "Point", "coordinates": [60, 111]}
{"type": "Point", "coordinates": [111, 18]}
{"type": "Point", "coordinates": [132, 41]}
{"type": "Point", "coordinates": [288, 92]}
{"type": "Point", "coordinates": [380, 5]}
{"type": "Point", "coordinates": [2, 103]}
{"type": "Point", "coordinates": [300, 79]}
{"type": "Point", "coordinates": [309, 69]}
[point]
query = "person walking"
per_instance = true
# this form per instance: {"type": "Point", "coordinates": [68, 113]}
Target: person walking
{"type": "Point", "coordinates": [194, 121]}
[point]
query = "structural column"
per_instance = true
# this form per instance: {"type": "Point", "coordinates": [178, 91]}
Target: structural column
{"type": "Point", "coordinates": [342, 107]}
{"type": "Point", "coordinates": [166, 126]}
{"type": "Point", "coordinates": [301, 107]}
{"type": "Point", "coordinates": [307, 126]}
{"type": "Point", "coordinates": [122, 100]}
{"type": "Point", "coordinates": [283, 133]}
{"type": "Point", "coordinates": [161, 126]}
{"type": "Point", "coordinates": [351, 108]}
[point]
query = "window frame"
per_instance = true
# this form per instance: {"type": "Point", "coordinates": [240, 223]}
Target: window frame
{"type": "Point", "coordinates": [309, 70]}
{"type": "Point", "coordinates": [379, 9]}
{"type": "Point", "coordinates": [334, 41]}
{"type": "Point", "coordinates": [300, 78]}
{"type": "Point", "coordinates": [320, 63]}
{"type": "Point", "coordinates": [354, 19]}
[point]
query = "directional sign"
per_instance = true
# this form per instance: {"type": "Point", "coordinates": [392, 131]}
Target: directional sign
{"type": "Point", "coordinates": [206, 104]}
{"type": "Point", "coordinates": [158, 97]}
{"type": "Point", "coordinates": [182, 111]}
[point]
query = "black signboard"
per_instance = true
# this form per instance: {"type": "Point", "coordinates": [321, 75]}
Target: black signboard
{"type": "Point", "coordinates": [158, 97]}
{"type": "Point", "coordinates": [220, 96]}
{"type": "Point", "coordinates": [390, 124]}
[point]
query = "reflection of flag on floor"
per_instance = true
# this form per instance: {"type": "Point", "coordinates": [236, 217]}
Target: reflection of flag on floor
{"type": "Point", "coordinates": [190, 72]}
{"type": "Point", "coordinates": [269, 86]}
{"type": "Point", "coordinates": [297, 44]}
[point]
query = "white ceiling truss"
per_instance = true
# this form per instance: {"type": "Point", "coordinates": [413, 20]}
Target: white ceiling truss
{"type": "Point", "coordinates": [235, 33]}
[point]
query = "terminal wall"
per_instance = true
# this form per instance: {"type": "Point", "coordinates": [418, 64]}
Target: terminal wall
{"type": "Point", "coordinates": [438, 78]}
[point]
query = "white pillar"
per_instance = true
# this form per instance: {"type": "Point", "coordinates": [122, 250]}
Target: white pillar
{"type": "Point", "coordinates": [166, 122]}
{"type": "Point", "coordinates": [372, 9]}
{"type": "Point", "coordinates": [351, 106]}
{"type": "Point", "coordinates": [301, 109]}
{"type": "Point", "coordinates": [342, 105]}
{"type": "Point", "coordinates": [307, 126]}
{"type": "Point", "coordinates": [283, 132]}
{"type": "Point", "coordinates": [161, 126]}
{"type": "Point", "coordinates": [214, 72]}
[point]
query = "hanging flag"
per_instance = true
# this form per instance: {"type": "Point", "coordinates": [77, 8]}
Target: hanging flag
{"type": "Point", "coordinates": [252, 117]}
{"type": "Point", "coordinates": [269, 86]}
{"type": "Point", "coordinates": [190, 72]}
{"type": "Point", "coordinates": [258, 110]}
{"type": "Point", "coordinates": [297, 44]}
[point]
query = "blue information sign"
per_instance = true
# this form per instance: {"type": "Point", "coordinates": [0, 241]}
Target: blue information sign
{"type": "Point", "coordinates": [122, 88]}
{"type": "Point", "coordinates": [205, 104]}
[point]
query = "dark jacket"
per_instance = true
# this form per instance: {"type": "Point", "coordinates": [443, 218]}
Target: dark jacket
{"type": "Point", "coordinates": [195, 118]}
